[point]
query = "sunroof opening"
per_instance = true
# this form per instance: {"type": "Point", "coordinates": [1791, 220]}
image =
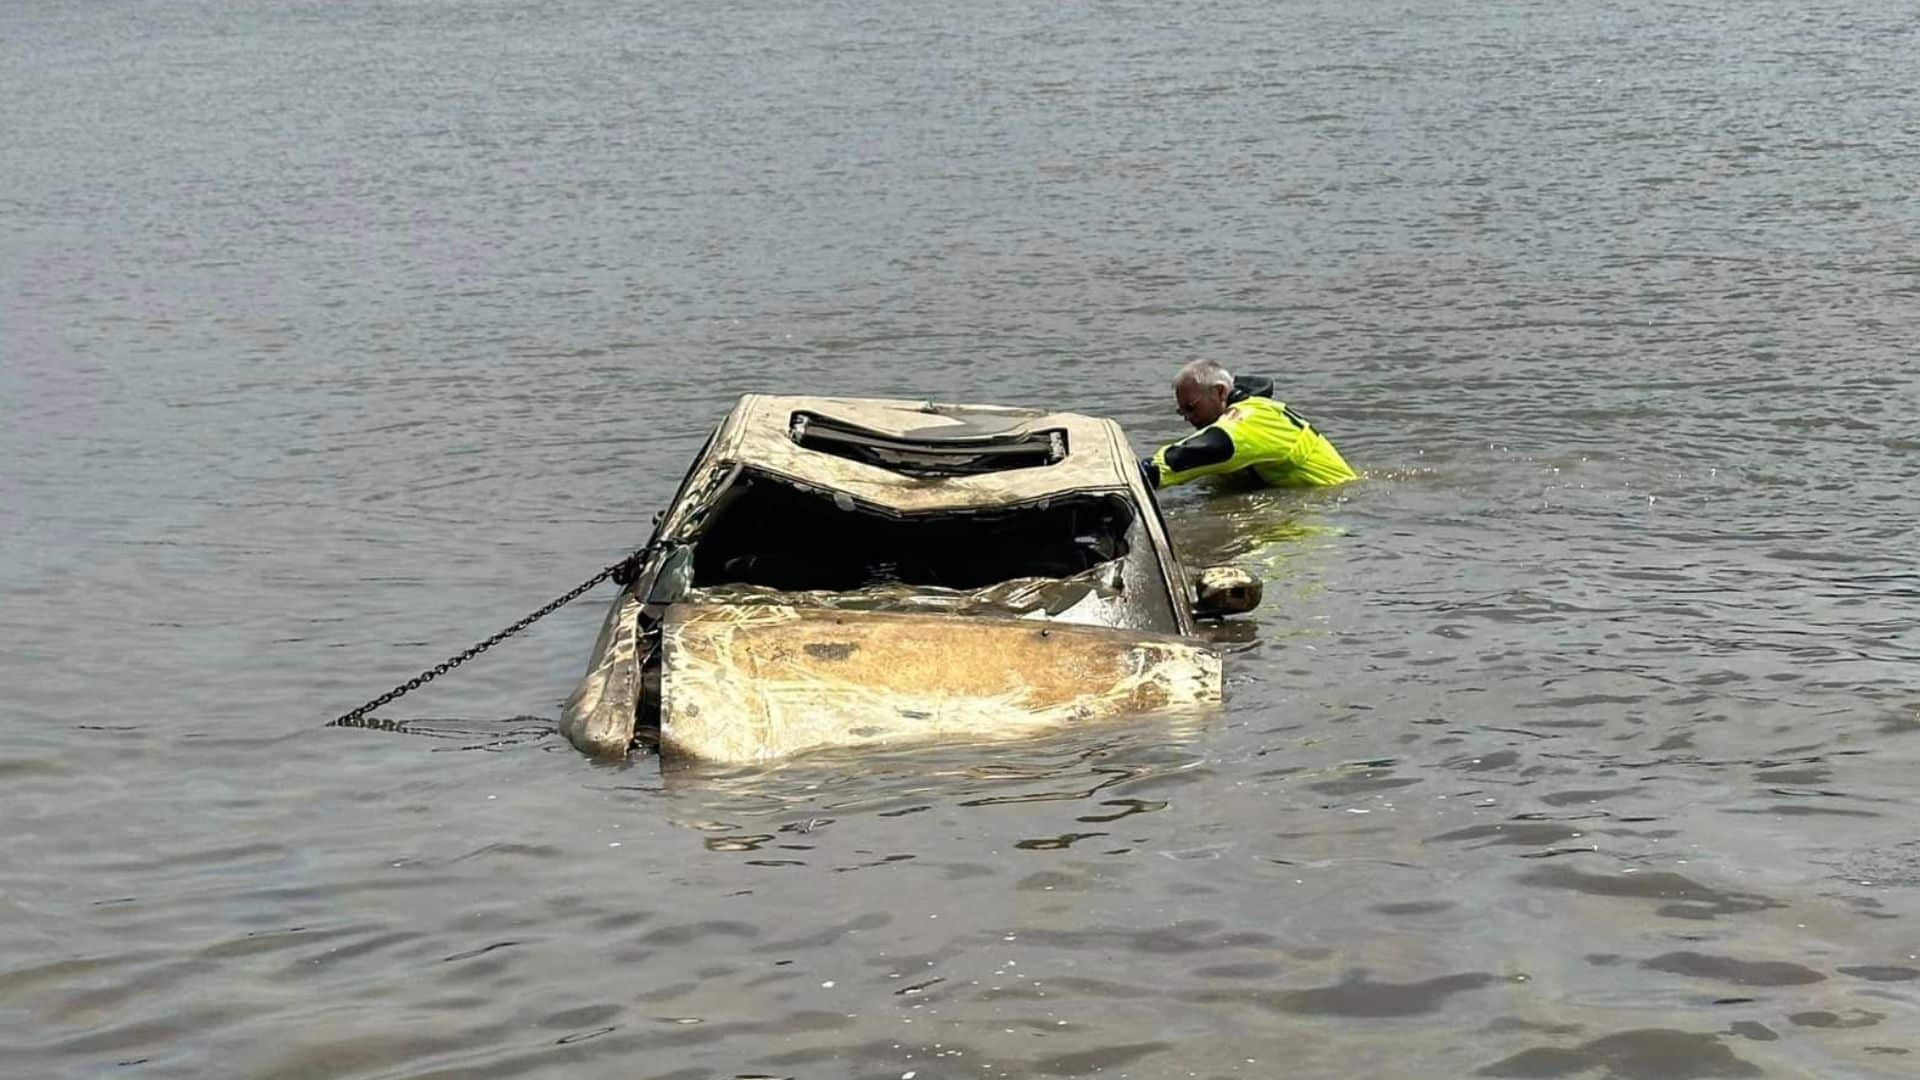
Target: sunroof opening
{"type": "Point", "coordinates": [963, 450]}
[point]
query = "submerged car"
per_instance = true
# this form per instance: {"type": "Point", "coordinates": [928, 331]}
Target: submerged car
{"type": "Point", "coordinates": [837, 571]}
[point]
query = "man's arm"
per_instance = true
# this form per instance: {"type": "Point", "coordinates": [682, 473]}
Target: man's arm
{"type": "Point", "coordinates": [1211, 451]}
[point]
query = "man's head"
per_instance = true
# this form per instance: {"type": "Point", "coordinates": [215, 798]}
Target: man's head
{"type": "Point", "coordinates": [1201, 390]}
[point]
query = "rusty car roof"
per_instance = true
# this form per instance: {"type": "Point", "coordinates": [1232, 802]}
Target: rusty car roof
{"type": "Point", "coordinates": [757, 434]}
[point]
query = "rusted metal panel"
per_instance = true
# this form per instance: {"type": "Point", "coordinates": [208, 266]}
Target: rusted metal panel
{"type": "Point", "coordinates": [752, 682]}
{"type": "Point", "coordinates": [599, 717]}
{"type": "Point", "coordinates": [756, 435]}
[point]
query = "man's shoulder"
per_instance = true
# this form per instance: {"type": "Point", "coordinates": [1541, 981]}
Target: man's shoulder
{"type": "Point", "coordinates": [1253, 408]}
{"type": "Point", "coordinates": [1251, 386]}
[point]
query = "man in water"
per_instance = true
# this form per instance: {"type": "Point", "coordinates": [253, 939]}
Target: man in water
{"type": "Point", "coordinates": [1242, 430]}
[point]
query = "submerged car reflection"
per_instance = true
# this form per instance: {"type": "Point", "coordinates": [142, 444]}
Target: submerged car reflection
{"type": "Point", "coordinates": [854, 571]}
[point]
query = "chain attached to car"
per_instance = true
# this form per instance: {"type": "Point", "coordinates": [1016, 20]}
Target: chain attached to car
{"type": "Point", "coordinates": [621, 572]}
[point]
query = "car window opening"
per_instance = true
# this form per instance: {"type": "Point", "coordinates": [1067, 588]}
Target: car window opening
{"type": "Point", "coordinates": [771, 534]}
{"type": "Point", "coordinates": [934, 453]}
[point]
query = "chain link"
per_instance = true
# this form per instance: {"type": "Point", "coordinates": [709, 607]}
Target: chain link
{"type": "Point", "coordinates": [357, 718]}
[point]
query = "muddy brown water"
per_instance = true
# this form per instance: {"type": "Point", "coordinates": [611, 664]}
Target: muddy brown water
{"type": "Point", "coordinates": [1578, 739]}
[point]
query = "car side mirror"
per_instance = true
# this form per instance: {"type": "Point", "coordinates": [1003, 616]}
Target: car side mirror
{"type": "Point", "coordinates": [1225, 590]}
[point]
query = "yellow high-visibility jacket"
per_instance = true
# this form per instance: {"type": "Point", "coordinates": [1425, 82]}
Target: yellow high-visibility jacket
{"type": "Point", "coordinates": [1258, 434]}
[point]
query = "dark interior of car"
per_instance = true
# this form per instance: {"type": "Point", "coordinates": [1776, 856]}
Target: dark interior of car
{"type": "Point", "coordinates": [769, 533]}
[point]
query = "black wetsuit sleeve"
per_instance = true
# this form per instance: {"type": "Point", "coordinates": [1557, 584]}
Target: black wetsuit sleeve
{"type": "Point", "coordinates": [1211, 446]}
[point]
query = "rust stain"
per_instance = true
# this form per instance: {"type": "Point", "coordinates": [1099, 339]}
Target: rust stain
{"type": "Point", "coordinates": [889, 677]}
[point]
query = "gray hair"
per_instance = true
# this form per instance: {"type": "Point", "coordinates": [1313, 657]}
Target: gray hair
{"type": "Point", "coordinates": [1205, 373]}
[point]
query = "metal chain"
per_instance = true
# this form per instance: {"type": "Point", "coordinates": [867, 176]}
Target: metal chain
{"type": "Point", "coordinates": [357, 718]}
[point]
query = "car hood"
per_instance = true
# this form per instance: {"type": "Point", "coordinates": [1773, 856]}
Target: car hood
{"type": "Point", "coordinates": [839, 678]}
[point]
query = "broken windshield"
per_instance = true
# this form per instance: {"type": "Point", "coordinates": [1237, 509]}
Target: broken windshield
{"type": "Point", "coordinates": [769, 533]}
